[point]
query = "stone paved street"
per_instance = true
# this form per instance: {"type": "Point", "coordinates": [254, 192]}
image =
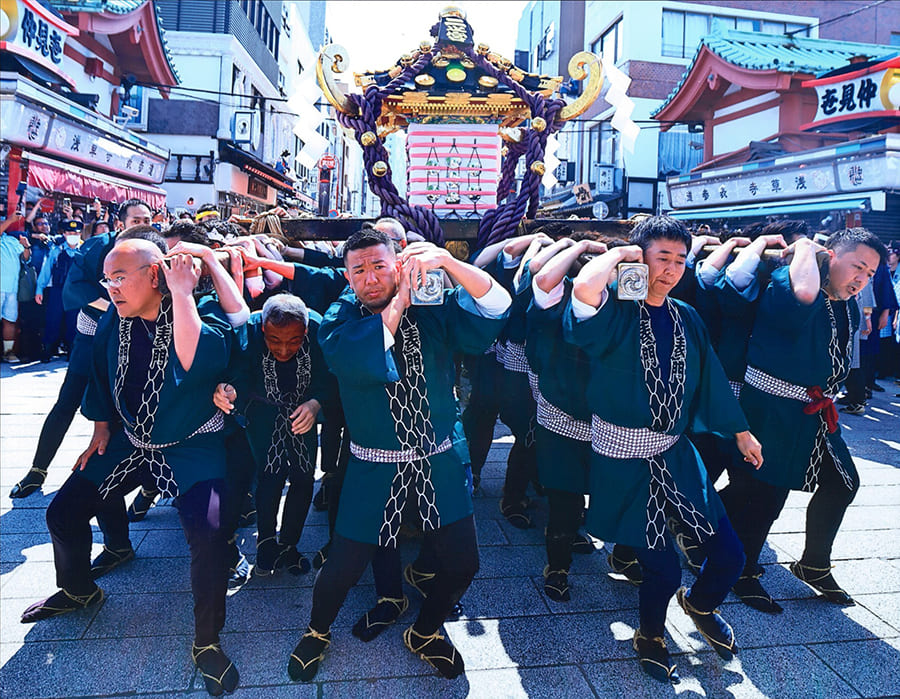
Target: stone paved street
{"type": "Point", "coordinates": [515, 642]}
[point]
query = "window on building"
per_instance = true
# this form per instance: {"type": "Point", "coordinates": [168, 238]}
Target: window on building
{"type": "Point", "coordinates": [609, 45]}
{"type": "Point", "coordinates": [679, 151]}
{"type": "Point", "coordinates": [895, 38]}
{"type": "Point", "coordinates": [682, 31]}
{"type": "Point", "coordinates": [609, 151]}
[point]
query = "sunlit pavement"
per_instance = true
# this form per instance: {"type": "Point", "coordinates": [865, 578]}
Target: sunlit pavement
{"type": "Point", "coordinates": [515, 642]}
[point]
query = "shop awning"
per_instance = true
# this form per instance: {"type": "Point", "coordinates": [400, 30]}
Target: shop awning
{"type": "Point", "coordinates": [56, 176]}
{"type": "Point", "coordinates": [254, 166]}
{"type": "Point", "coordinates": [871, 200]}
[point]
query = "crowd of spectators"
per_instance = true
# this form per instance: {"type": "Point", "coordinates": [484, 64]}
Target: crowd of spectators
{"type": "Point", "coordinates": [38, 247]}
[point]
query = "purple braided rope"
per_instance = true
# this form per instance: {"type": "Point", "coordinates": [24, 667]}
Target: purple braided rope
{"type": "Point", "coordinates": [507, 216]}
{"type": "Point", "coordinates": [507, 183]}
{"type": "Point", "coordinates": [415, 218]}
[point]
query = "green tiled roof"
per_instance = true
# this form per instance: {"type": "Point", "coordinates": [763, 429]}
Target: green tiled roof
{"type": "Point", "coordinates": [116, 7]}
{"type": "Point", "coordinates": [758, 51]}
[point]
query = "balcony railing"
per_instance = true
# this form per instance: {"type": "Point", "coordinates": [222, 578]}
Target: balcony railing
{"type": "Point", "coordinates": [185, 167]}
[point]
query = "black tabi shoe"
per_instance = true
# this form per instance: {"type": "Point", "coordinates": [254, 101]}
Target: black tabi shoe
{"type": "Point", "coordinates": [269, 554]}
{"type": "Point", "coordinates": [33, 480]}
{"type": "Point", "coordinates": [654, 658]}
{"type": "Point", "coordinates": [421, 582]}
{"type": "Point", "coordinates": [304, 662]}
{"type": "Point", "coordinates": [476, 482]}
{"type": "Point", "coordinates": [60, 603]}
{"type": "Point", "coordinates": [321, 556]}
{"type": "Point", "coordinates": [108, 560]}
{"type": "Point", "coordinates": [437, 651]}
{"type": "Point", "coordinates": [711, 626]}
{"type": "Point", "coordinates": [582, 544]}
{"type": "Point", "coordinates": [293, 562]}
{"type": "Point", "coordinates": [556, 584]}
{"type": "Point", "coordinates": [750, 591]}
{"type": "Point", "coordinates": [219, 674]}
{"type": "Point", "coordinates": [139, 507]}
{"type": "Point", "coordinates": [240, 573]}
{"type": "Point", "coordinates": [516, 513]}
{"type": "Point", "coordinates": [820, 579]}
{"type": "Point", "coordinates": [379, 617]}
{"type": "Point", "coordinates": [625, 571]}
{"type": "Point", "coordinates": [876, 387]}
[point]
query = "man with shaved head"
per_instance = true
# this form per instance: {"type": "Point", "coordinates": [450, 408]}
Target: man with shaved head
{"type": "Point", "coordinates": [155, 351]}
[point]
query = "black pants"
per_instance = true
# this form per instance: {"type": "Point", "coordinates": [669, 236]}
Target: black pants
{"type": "Point", "coordinates": [240, 469]}
{"type": "Point", "coordinates": [59, 324]}
{"type": "Point", "coordinates": [889, 358]}
{"type": "Point", "coordinates": [517, 411]}
{"type": "Point", "coordinates": [662, 577]}
{"type": "Point", "coordinates": [868, 364]}
{"type": "Point", "coordinates": [296, 505]}
{"type": "Point", "coordinates": [716, 453]}
{"type": "Point", "coordinates": [481, 413]}
{"type": "Point", "coordinates": [68, 519]}
{"type": "Point", "coordinates": [562, 526]}
{"type": "Point", "coordinates": [455, 547]}
{"type": "Point", "coordinates": [856, 387]}
{"type": "Point", "coordinates": [60, 417]}
{"type": "Point", "coordinates": [753, 506]}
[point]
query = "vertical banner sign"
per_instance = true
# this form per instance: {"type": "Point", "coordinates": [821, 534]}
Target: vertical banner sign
{"type": "Point", "coordinates": [28, 29]}
{"type": "Point", "coordinates": [324, 191]}
{"type": "Point", "coordinates": [327, 163]}
{"type": "Point", "coordinates": [453, 168]}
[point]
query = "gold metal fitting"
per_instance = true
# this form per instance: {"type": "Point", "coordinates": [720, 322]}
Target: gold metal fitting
{"type": "Point", "coordinates": [538, 124]}
{"type": "Point", "coordinates": [424, 80]}
{"type": "Point", "coordinates": [368, 138]}
{"type": "Point", "coordinates": [504, 151]}
{"type": "Point", "coordinates": [440, 62]}
{"type": "Point", "coordinates": [537, 167]}
{"type": "Point", "coordinates": [424, 46]}
{"type": "Point", "coordinates": [453, 11]}
{"type": "Point", "coordinates": [406, 60]}
{"type": "Point", "coordinates": [516, 74]}
{"type": "Point", "coordinates": [483, 49]}
{"type": "Point", "coordinates": [467, 63]}
{"type": "Point", "coordinates": [456, 75]}
{"type": "Point", "coordinates": [487, 81]}
{"type": "Point", "coordinates": [380, 168]}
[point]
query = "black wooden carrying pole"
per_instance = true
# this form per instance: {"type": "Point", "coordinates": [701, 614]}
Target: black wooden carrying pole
{"type": "Point", "coordinates": [454, 229]}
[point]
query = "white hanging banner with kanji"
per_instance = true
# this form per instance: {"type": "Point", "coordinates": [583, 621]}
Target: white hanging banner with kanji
{"type": "Point", "coordinates": [453, 169]}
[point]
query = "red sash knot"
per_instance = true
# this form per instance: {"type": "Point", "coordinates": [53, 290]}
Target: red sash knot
{"type": "Point", "coordinates": [819, 402]}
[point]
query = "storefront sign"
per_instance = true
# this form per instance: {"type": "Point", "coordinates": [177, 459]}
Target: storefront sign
{"type": "Point", "coordinates": [29, 30]}
{"type": "Point", "coordinates": [871, 164]}
{"type": "Point", "coordinates": [871, 93]}
{"type": "Point", "coordinates": [49, 133]}
{"type": "Point", "coordinates": [255, 188]}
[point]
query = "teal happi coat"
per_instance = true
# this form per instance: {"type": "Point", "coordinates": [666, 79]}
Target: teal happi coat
{"type": "Point", "coordinates": [807, 346]}
{"type": "Point", "coordinates": [176, 412]}
{"type": "Point", "coordinates": [269, 390]}
{"type": "Point", "coordinates": [382, 394]}
{"type": "Point", "coordinates": [561, 370]}
{"type": "Point", "coordinates": [621, 508]}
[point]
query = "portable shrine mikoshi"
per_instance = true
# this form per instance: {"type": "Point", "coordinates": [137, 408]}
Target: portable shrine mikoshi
{"type": "Point", "coordinates": [471, 116]}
